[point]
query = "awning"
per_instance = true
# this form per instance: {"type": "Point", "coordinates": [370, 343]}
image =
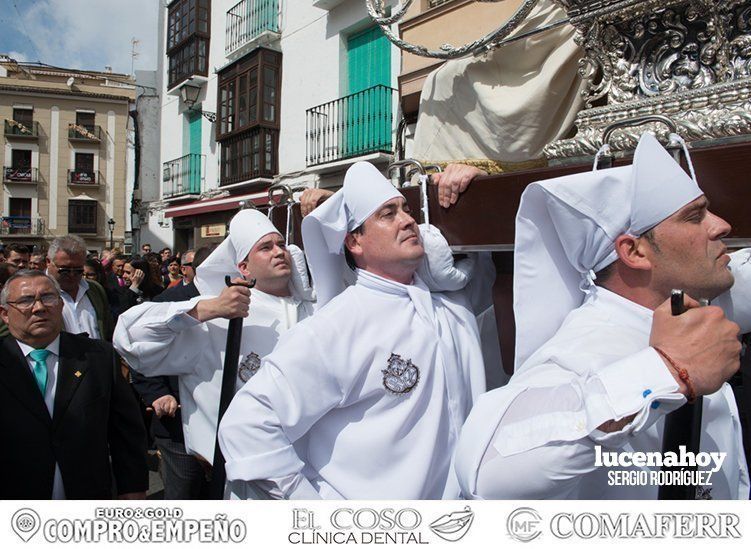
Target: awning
{"type": "Point", "coordinates": [216, 205]}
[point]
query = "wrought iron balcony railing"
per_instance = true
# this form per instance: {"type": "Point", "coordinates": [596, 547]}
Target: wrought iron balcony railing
{"type": "Point", "coordinates": [21, 130]}
{"type": "Point", "coordinates": [354, 125]}
{"type": "Point", "coordinates": [247, 20]}
{"type": "Point", "coordinates": [84, 133]}
{"type": "Point", "coordinates": [84, 177]}
{"type": "Point", "coordinates": [183, 176]}
{"type": "Point", "coordinates": [21, 225]}
{"type": "Point", "coordinates": [20, 175]}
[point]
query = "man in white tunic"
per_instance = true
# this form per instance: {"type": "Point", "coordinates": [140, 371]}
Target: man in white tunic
{"type": "Point", "coordinates": [364, 399]}
{"type": "Point", "coordinates": [598, 365]}
{"type": "Point", "coordinates": [188, 338]}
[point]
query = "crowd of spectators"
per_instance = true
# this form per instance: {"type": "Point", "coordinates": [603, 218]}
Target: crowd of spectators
{"type": "Point", "coordinates": [95, 288]}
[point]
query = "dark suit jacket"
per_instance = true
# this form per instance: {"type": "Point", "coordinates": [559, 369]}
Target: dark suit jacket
{"type": "Point", "coordinates": [95, 418]}
{"type": "Point", "coordinates": [181, 292]}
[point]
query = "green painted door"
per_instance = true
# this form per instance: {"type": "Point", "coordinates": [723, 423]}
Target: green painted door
{"type": "Point", "coordinates": [191, 168]}
{"type": "Point", "coordinates": [367, 108]}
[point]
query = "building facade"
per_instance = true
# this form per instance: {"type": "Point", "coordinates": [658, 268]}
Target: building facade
{"type": "Point", "coordinates": [259, 92]}
{"type": "Point", "coordinates": [64, 154]}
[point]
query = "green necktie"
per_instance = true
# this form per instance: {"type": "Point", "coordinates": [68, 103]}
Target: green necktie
{"type": "Point", "coordinates": [39, 356]}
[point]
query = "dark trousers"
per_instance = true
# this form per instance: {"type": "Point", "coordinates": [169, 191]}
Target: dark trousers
{"type": "Point", "coordinates": [182, 473]}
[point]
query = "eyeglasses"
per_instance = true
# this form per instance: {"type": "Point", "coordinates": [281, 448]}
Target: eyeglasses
{"type": "Point", "coordinates": [69, 271]}
{"type": "Point", "coordinates": [188, 264]}
{"type": "Point", "coordinates": [26, 303]}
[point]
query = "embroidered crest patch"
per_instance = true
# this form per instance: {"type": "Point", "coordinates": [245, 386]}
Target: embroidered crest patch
{"type": "Point", "coordinates": [248, 367]}
{"type": "Point", "coordinates": [400, 376]}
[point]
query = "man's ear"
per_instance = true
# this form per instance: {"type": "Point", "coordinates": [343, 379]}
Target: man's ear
{"type": "Point", "coordinates": [634, 252]}
{"type": "Point", "coordinates": [352, 243]}
{"type": "Point", "coordinates": [4, 314]}
{"type": "Point", "coordinates": [243, 268]}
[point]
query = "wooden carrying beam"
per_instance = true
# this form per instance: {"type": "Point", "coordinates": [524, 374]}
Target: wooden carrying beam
{"type": "Point", "coordinates": [483, 217]}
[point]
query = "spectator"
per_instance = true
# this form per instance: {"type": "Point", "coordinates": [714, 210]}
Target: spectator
{"type": "Point", "coordinates": [139, 284]}
{"type": "Point", "coordinates": [115, 276]}
{"type": "Point", "coordinates": [86, 307]}
{"type": "Point", "coordinates": [85, 429]}
{"type": "Point", "coordinates": [146, 249]}
{"type": "Point", "coordinates": [173, 276]}
{"type": "Point", "coordinates": [93, 270]}
{"type": "Point", "coordinates": [155, 261]}
{"type": "Point", "coordinates": [6, 271]}
{"type": "Point", "coordinates": [18, 255]}
{"type": "Point", "coordinates": [165, 254]}
{"type": "Point", "coordinates": [38, 261]}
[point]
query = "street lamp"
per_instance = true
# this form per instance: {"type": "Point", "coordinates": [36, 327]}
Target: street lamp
{"type": "Point", "coordinates": [111, 224]}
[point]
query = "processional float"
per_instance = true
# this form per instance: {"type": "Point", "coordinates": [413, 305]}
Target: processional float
{"type": "Point", "coordinates": [665, 66]}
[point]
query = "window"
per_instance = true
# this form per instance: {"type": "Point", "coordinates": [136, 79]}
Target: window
{"type": "Point", "coordinates": [19, 220]}
{"type": "Point", "coordinates": [20, 159]}
{"type": "Point", "coordinates": [248, 121]}
{"type": "Point", "coordinates": [249, 155]}
{"type": "Point", "coordinates": [85, 119]}
{"type": "Point", "coordinates": [84, 169]}
{"type": "Point", "coordinates": [188, 24]}
{"type": "Point", "coordinates": [24, 116]}
{"type": "Point", "coordinates": [82, 216]}
{"type": "Point", "coordinates": [252, 81]}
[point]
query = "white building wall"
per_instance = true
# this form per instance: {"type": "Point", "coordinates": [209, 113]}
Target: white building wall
{"type": "Point", "coordinates": [314, 64]}
{"type": "Point", "coordinates": [153, 229]}
{"type": "Point", "coordinates": [314, 71]}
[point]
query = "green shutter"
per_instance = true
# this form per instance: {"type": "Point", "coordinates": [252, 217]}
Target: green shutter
{"type": "Point", "coordinates": [194, 149]}
{"type": "Point", "coordinates": [368, 114]}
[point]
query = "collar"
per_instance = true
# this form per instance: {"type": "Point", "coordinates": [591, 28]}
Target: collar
{"type": "Point", "coordinates": [53, 347]}
{"type": "Point", "coordinates": [623, 310]}
{"type": "Point", "coordinates": [417, 292]}
{"type": "Point", "coordinates": [376, 282]}
{"type": "Point", "coordinates": [263, 297]}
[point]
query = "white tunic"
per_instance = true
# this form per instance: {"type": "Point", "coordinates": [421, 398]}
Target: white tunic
{"type": "Point", "coordinates": [318, 419]}
{"type": "Point", "coordinates": [536, 437]}
{"type": "Point", "coordinates": [162, 339]}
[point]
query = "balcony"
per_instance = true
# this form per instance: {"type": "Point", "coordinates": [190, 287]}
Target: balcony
{"type": "Point", "coordinates": [85, 178]}
{"type": "Point", "coordinates": [18, 130]}
{"type": "Point", "coordinates": [183, 177]}
{"type": "Point", "coordinates": [21, 225]}
{"type": "Point", "coordinates": [355, 125]}
{"type": "Point", "coordinates": [84, 133]}
{"type": "Point", "coordinates": [251, 23]}
{"type": "Point", "coordinates": [21, 175]}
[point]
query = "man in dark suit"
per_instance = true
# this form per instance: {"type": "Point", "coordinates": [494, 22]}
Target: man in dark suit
{"type": "Point", "coordinates": [65, 409]}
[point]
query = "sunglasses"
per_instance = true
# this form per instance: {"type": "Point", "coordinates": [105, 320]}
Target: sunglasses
{"type": "Point", "coordinates": [68, 271]}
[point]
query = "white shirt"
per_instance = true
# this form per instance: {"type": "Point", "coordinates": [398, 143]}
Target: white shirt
{"type": "Point", "coordinates": [162, 339]}
{"type": "Point", "coordinates": [318, 420]}
{"type": "Point", "coordinates": [58, 491]}
{"type": "Point", "coordinates": [536, 437]}
{"type": "Point", "coordinates": [79, 314]}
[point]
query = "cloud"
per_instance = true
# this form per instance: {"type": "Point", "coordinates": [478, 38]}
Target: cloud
{"type": "Point", "coordinates": [90, 34]}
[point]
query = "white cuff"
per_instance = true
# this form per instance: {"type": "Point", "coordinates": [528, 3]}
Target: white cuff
{"type": "Point", "coordinates": [178, 318]}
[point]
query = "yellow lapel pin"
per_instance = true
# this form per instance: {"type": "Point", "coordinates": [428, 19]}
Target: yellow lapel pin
{"type": "Point", "coordinates": [78, 373]}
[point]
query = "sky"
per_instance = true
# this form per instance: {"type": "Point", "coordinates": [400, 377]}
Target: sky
{"type": "Point", "coordinates": [81, 34]}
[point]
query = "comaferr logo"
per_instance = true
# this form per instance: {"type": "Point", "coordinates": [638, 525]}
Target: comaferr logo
{"type": "Point", "coordinates": [640, 525]}
{"type": "Point", "coordinates": [524, 524]}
